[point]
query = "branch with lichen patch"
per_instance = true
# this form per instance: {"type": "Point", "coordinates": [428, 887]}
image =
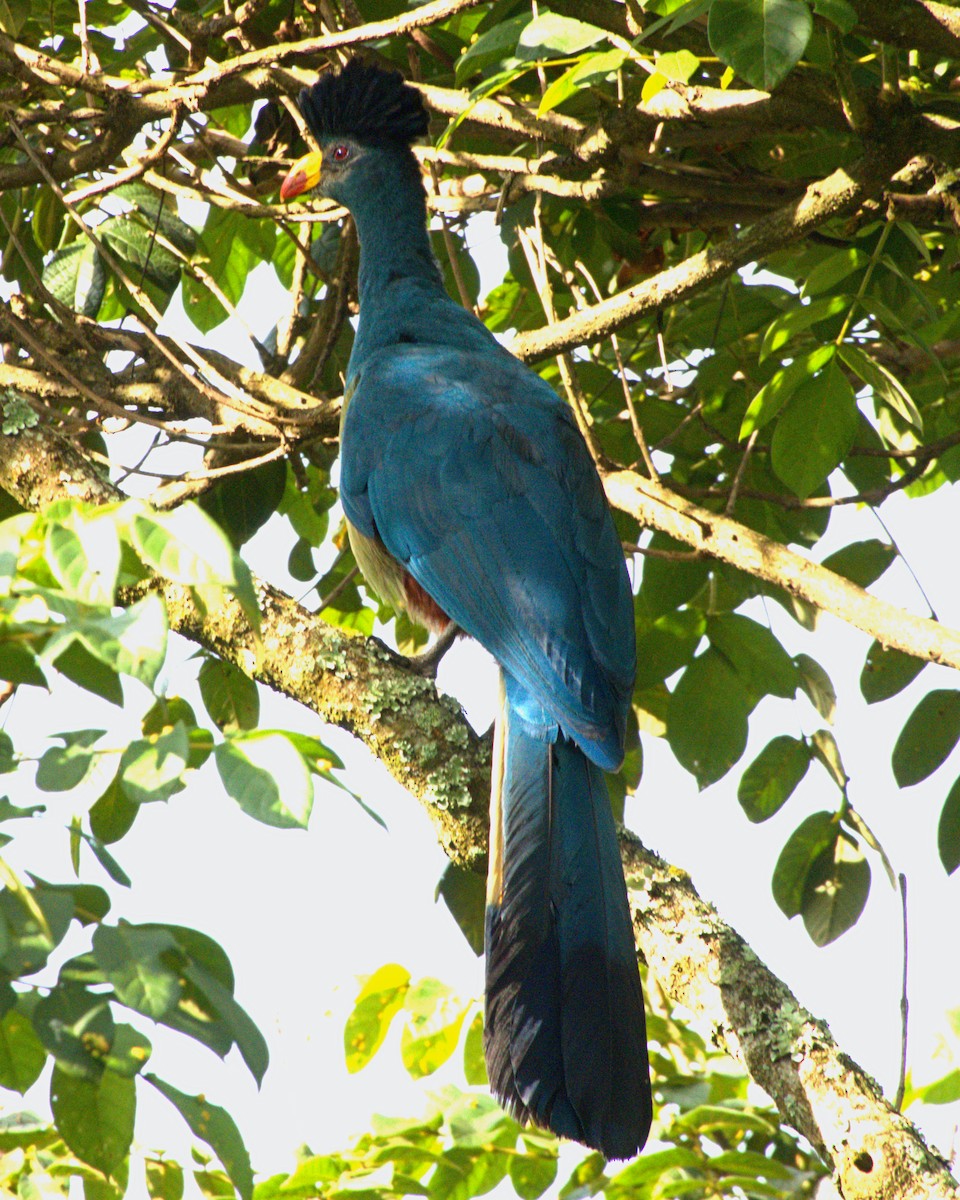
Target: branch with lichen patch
{"type": "Point", "coordinates": [426, 743]}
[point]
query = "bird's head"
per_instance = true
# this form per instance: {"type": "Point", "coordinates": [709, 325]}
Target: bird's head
{"type": "Point", "coordinates": [353, 114]}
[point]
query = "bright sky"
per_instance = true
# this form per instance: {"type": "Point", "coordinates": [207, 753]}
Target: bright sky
{"type": "Point", "coordinates": [303, 914]}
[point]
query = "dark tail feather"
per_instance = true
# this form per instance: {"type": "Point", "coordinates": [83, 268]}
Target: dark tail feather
{"type": "Point", "coordinates": [565, 1036]}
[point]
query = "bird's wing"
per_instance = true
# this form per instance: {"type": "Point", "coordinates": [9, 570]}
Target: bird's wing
{"type": "Point", "coordinates": [472, 473]}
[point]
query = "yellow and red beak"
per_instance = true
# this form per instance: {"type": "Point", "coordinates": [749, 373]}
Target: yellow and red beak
{"type": "Point", "coordinates": [302, 176]}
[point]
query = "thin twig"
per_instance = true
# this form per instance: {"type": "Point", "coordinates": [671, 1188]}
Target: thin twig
{"type": "Point", "coordinates": [136, 169]}
{"type": "Point", "coordinates": [638, 435]}
{"type": "Point", "coordinates": [215, 395]}
{"type": "Point", "coordinates": [532, 245]}
{"type": "Point", "coordinates": [904, 1002]}
{"type": "Point", "coordinates": [738, 478]}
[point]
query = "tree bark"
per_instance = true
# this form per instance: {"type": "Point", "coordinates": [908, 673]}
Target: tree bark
{"type": "Point", "coordinates": [426, 743]}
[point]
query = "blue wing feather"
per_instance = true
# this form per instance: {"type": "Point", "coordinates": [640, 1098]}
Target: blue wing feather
{"type": "Point", "coordinates": [503, 523]}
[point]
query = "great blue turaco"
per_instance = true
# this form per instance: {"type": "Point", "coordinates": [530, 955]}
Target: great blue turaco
{"type": "Point", "coordinates": [470, 497]}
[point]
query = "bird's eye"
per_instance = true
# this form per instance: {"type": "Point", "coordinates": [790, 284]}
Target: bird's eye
{"type": "Point", "coordinates": [340, 153]}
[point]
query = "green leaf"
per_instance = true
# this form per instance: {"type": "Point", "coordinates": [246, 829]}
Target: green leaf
{"type": "Point", "coordinates": [814, 836]}
{"type": "Point", "coordinates": [493, 48]}
{"type": "Point", "coordinates": [468, 1171]}
{"type": "Point", "coordinates": [90, 902]}
{"type": "Point", "coordinates": [132, 641]}
{"type": "Point", "coordinates": [931, 732]}
{"type": "Point", "coordinates": [245, 1034]}
{"type": "Point", "coordinates": [8, 763]}
{"type": "Point", "coordinates": [590, 69]}
{"type": "Point", "coordinates": [942, 1091]}
{"type": "Point", "coordinates": [13, 15]}
{"type": "Point", "coordinates": [948, 830]}
{"type": "Point", "coordinates": [762, 40]}
{"type": "Point", "coordinates": [667, 645]}
{"type": "Point", "coordinates": [18, 664]}
{"type": "Point", "coordinates": [113, 814]}
{"type": "Point", "coordinates": [129, 1053]}
{"type": "Point", "coordinates": [75, 275]}
{"type": "Point", "coordinates": [153, 768]}
{"type": "Point", "coordinates": [885, 385]}
{"type": "Point", "coordinates": [551, 35]}
{"type": "Point", "coordinates": [130, 958]}
{"type": "Point", "coordinates": [308, 511]}
{"type": "Point", "coordinates": [862, 562]}
{"type": "Point", "coordinates": [707, 718]}
{"type": "Point", "coordinates": [268, 777]}
{"type": "Point", "coordinates": [186, 546]}
{"type": "Point", "coordinates": [160, 211]}
{"type": "Point", "coordinates": [243, 503]}
{"type": "Point", "coordinates": [95, 1117]}
{"type": "Point", "coordinates": [62, 768]}
{"type": "Point", "coordinates": [835, 891]}
{"type": "Point", "coordinates": [85, 558]}
{"type": "Point", "coordinates": [668, 583]}
{"type": "Point", "coordinates": [22, 1056]}
{"type": "Point", "coordinates": [78, 665]}
{"type": "Point", "coordinates": [464, 893]}
{"type": "Point", "coordinates": [164, 1179]}
{"type": "Point", "coordinates": [474, 1061]}
{"type": "Point", "coordinates": [798, 318]}
{"type": "Point", "coordinates": [777, 391]}
{"type": "Point", "coordinates": [144, 258]}
{"type": "Point", "coordinates": [13, 812]}
{"type": "Point", "coordinates": [887, 671]}
{"type": "Point", "coordinates": [106, 859]}
{"type": "Point", "coordinates": [818, 686]}
{"type": "Point", "coordinates": [833, 270]}
{"type": "Point", "coordinates": [679, 66]}
{"type": "Point", "coordinates": [773, 776]}
{"type": "Point", "coordinates": [76, 1027]}
{"type": "Point", "coordinates": [837, 12]}
{"type": "Point", "coordinates": [216, 1127]}
{"type": "Point", "coordinates": [379, 1001]}
{"type": "Point", "coordinates": [826, 750]}
{"type": "Point", "coordinates": [432, 1032]}
{"type": "Point", "coordinates": [814, 431]}
{"type": "Point", "coordinates": [762, 664]}
{"type": "Point", "coordinates": [649, 1168]}
{"type": "Point", "coordinates": [532, 1176]}
{"type": "Point", "coordinates": [229, 696]}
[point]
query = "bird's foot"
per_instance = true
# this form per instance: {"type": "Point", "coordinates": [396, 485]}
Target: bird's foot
{"type": "Point", "coordinates": [427, 663]}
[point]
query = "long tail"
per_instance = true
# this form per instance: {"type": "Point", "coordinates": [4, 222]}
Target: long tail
{"type": "Point", "coordinates": [565, 1036]}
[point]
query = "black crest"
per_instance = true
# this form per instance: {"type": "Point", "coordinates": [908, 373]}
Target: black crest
{"type": "Point", "coordinates": [366, 103]}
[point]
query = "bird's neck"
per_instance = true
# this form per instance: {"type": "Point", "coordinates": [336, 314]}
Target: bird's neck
{"type": "Point", "coordinates": [396, 260]}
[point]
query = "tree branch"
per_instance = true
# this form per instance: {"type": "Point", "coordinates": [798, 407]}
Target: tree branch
{"type": "Point", "coordinates": [426, 743]}
{"type": "Point", "coordinates": [839, 193]}
{"type": "Point", "coordinates": [917, 23]}
{"type": "Point", "coordinates": [706, 966]}
{"type": "Point", "coordinates": [656, 507]}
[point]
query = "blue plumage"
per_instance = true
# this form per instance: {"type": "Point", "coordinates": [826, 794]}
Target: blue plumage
{"type": "Point", "coordinates": [470, 496]}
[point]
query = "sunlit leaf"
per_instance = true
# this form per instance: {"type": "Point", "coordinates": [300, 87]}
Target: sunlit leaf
{"type": "Point", "coordinates": [95, 1117]}
{"type": "Point", "coordinates": [216, 1127]}
{"type": "Point", "coordinates": [835, 891]}
{"type": "Point", "coordinates": [762, 40]}
{"type": "Point", "coordinates": [268, 777]}
{"type": "Point", "coordinates": [380, 999]}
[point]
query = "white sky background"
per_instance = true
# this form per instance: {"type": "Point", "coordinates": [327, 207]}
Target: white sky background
{"type": "Point", "coordinates": [303, 914]}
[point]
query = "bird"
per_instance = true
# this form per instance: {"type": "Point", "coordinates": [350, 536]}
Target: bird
{"type": "Point", "coordinates": [471, 499]}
